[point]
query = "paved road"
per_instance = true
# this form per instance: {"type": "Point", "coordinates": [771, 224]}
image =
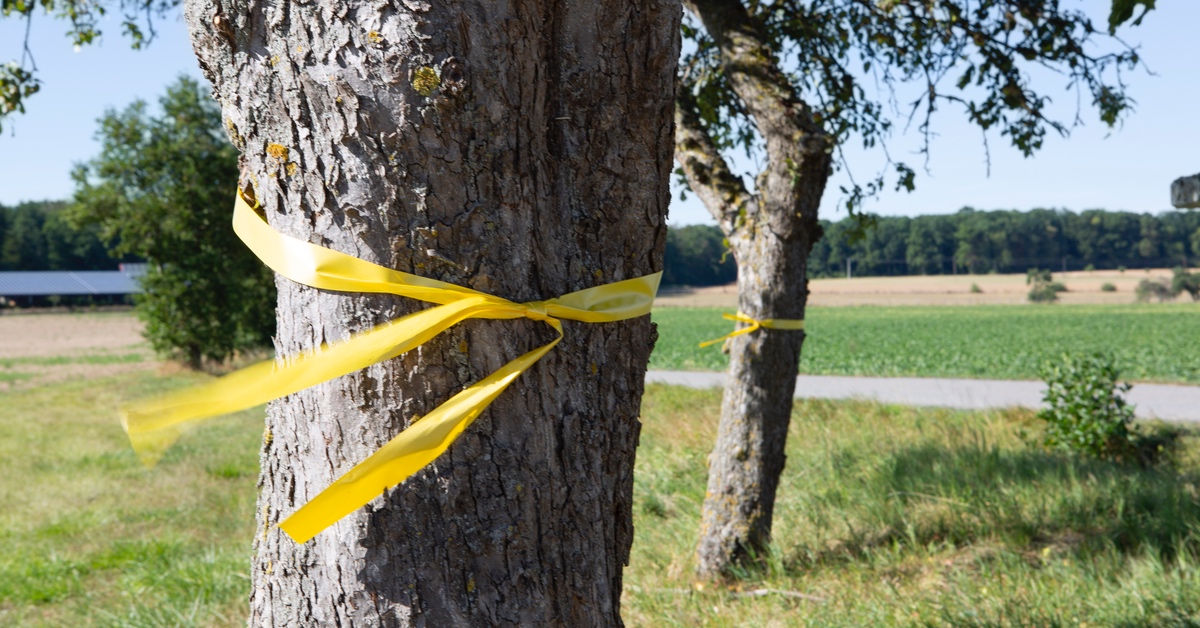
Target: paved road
{"type": "Point", "coordinates": [1160, 401]}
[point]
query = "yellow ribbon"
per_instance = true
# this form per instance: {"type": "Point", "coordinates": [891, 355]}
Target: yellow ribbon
{"type": "Point", "coordinates": [769, 323]}
{"type": "Point", "coordinates": [154, 424]}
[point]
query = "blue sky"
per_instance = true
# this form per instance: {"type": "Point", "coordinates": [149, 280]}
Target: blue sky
{"type": "Point", "coordinates": [1127, 168]}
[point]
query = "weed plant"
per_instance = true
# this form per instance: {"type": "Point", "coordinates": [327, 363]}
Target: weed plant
{"type": "Point", "coordinates": [1159, 289]}
{"type": "Point", "coordinates": [1086, 410]}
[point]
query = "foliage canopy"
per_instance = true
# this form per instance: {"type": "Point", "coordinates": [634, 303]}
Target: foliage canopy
{"type": "Point", "coordinates": [697, 255]}
{"type": "Point", "coordinates": [1008, 241]}
{"type": "Point", "coordinates": [846, 58]}
{"type": "Point", "coordinates": [19, 79]}
{"type": "Point", "coordinates": [161, 188]}
{"type": "Point", "coordinates": [38, 236]}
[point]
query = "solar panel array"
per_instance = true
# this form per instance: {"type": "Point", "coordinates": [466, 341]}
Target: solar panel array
{"type": "Point", "coordinates": [44, 283]}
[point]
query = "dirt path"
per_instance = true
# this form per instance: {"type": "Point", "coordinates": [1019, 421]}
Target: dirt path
{"type": "Point", "coordinates": [1153, 401]}
{"type": "Point", "coordinates": [47, 335]}
{"type": "Point", "coordinates": [40, 349]}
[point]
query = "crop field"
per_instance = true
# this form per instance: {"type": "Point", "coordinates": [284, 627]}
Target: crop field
{"type": "Point", "coordinates": [1151, 342]}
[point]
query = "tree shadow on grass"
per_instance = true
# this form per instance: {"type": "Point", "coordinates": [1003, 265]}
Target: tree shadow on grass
{"type": "Point", "coordinates": [933, 494]}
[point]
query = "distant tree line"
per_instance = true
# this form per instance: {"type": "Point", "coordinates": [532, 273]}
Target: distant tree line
{"type": "Point", "coordinates": [973, 241]}
{"type": "Point", "coordinates": [38, 236]}
{"type": "Point", "coordinates": [697, 255]}
{"type": "Point", "coordinates": [970, 241]}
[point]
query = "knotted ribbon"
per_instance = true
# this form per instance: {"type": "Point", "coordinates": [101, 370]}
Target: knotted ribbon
{"type": "Point", "coordinates": [154, 424]}
{"type": "Point", "coordinates": [754, 324]}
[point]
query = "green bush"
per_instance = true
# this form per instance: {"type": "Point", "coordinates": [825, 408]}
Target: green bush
{"type": "Point", "coordinates": [1043, 293]}
{"type": "Point", "coordinates": [161, 189]}
{"type": "Point", "coordinates": [1043, 287]}
{"type": "Point", "coordinates": [1183, 281]}
{"type": "Point", "coordinates": [1034, 276]}
{"type": "Point", "coordinates": [1108, 287]}
{"type": "Point", "coordinates": [1154, 288]}
{"type": "Point", "coordinates": [1086, 411]}
{"type": "Point", "coordinates": [1089, 268]}
{"type": "Point", "coordinates": [975, 289]}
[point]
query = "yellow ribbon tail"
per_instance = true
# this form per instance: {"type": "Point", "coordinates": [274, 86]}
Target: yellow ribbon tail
{"type": "Point", "coordinates": [736, 332]}
{"type": "Point", "coordinates": [155, 424]}
{"type": "Point", "coordinates": [409, 452]}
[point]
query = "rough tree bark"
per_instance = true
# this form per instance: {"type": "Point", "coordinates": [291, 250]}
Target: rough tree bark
{"type": "Point", "coordinates": [519, 148]}
{"type": "Point", "coordinates": [771, 233]}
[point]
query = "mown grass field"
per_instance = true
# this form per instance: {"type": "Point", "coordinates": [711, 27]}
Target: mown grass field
{"type": "Point", "coordinates": [887, 516]}
{"type": "Point", "coordinates": [89, 537]}
{"type": "Point", "coordinates": [1151, 342]}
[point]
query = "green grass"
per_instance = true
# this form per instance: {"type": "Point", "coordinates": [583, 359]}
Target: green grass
{"type": "Point", "coordinates": [894, 516]}
{"type": "Point", "coordinates": [887, 516]}
{"type": "Point", "coordinates": [13, 376]}
{"type": "Point", "coordinates": [13, 370]}
{"type": "Point", "coordinates": [1151, 342]}
{"type": "Point", "coordinates": [89, 537]}
{"type": "Point", "coordinates": [87, 358]}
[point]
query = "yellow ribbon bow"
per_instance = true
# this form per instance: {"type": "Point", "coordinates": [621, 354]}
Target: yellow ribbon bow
{"type": "Point", "coordinates": [769, 323]}
{"type": "Point", "coordinates": [154, 424]}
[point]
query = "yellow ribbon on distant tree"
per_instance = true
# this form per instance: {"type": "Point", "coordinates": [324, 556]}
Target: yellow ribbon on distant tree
{"type": "Point", "coordinates": [754, 324]}
{"type": "Point", "coordinates": [154, 424]}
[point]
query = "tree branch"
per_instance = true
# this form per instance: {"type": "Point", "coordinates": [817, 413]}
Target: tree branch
{"type": "Point", "coordinates": [751, 68]}
{"type": "Point", "coordinates": [707, 173]}
{"type": "Point", "coordinates": [798, 149]}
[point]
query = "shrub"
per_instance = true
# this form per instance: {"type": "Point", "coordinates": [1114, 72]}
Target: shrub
{"type": "Point", "coordinates": [1183, 281]}
{"type": "Point", "coordinates": [1034, 276]}
{"type": "Point", "coordinates": [1121, 269]}
{"type": "Point", "coordinates": [1153, 288]}
{"type": "Point", "coordinates": [975, 289]}
{"type": "Point", "coordinates": [1108, 287]}
{"type": "Point", "coordinates": [1086, 411]}
{"type": "Point", "coordinates": [1044, 289]}
{"type": "Point", "coordinates": [1089, 268]}
{"type": "Point", "coordinates": [1043, 293]}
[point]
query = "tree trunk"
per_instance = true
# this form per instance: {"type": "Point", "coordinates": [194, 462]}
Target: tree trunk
{"type": "Point", "coordinates": [195, 361]}
{"type": "Point", "coordinates": [748, 458]}
{"type": "Point", "coordinates": [518, 149]}
{"type": "Point", "coordinates": [771, 233]}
